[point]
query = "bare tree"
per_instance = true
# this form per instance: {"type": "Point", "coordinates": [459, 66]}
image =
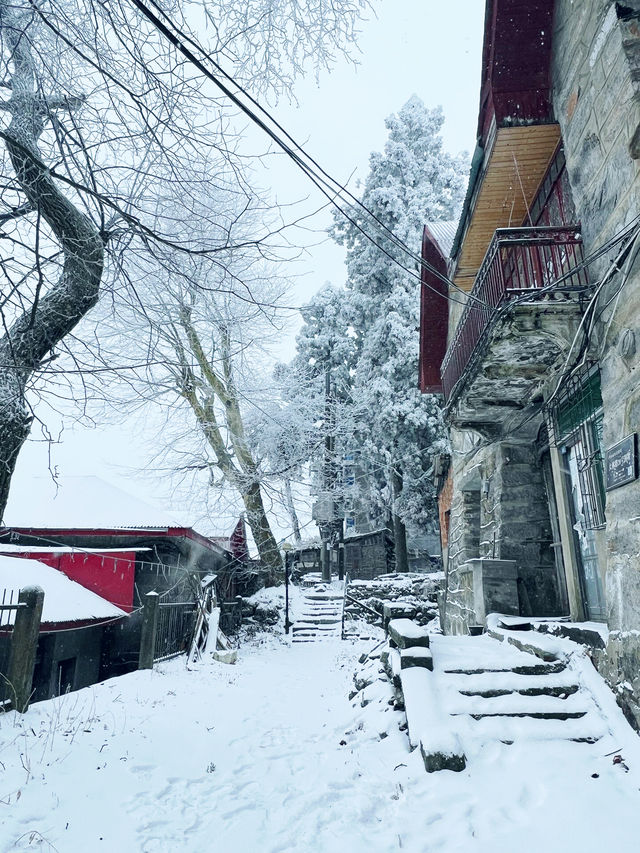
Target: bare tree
{"type": "Point", "coordinates": [101, 115]}
{"type": "Point", "coordinates": [196, 334]}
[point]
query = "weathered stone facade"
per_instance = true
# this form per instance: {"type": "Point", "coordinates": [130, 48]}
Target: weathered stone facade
{"type": "Point", "coordinates": [596, 78]}
{"type": "Point", "coordinates": [513, 490]}
{"type": "Point", "coordinates": [499, 511]}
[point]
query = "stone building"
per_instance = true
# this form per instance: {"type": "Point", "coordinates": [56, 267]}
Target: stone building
{"type": "Point", "coordinates": [539, 500]}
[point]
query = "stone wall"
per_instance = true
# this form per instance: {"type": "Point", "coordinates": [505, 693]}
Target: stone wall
{"type": "Point", "coordinates": [522, 525]}
{"type": "Point", "coordinates": [500, 511]}
{"type": "Point", "coordinates": [596, 103]}
{"type": "Point", "coordinates": [596, 88]}
{"type": "Point", "coordinates": [456, 610]}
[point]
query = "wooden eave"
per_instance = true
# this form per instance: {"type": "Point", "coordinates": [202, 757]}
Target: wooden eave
{"type": "Point", "coordinates": [517, 162]}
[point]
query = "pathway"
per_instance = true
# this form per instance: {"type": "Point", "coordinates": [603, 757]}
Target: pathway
{"type": "Point", "coordinates": [270, 756]}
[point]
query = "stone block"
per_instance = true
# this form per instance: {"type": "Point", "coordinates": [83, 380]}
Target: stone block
{"type": "Point", "coordinates": [416, 656]}
{"type": "Point", "coordinates": [229, 657]}
{"type": "Point", "coordinates": [405, 634]}
{"type": "Point", "coordinates": [396, 610]}
{"type": "Point", "coordinates": [495, 587]}
{"type": "Point", "coordinates": [435, 760]}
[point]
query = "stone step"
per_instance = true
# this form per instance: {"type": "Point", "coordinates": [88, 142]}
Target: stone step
{"type": "Point", "coordinates": [586, 729]}
{"type": "Point", "coordinates": [319, 620]}
{"type": "Point", "coordinates": [309, 626]}
{"type": "Point", "coordinates": [327, 595]}
{"type": "Point", "coordinates": [312, 638]}
{"type": "Point", "coordinates": [309, 607]}
{"type": "Point", "coordinates": [510, 682]}
{"type": "Point", "coordinates": [533, 669]}
{"type": "Point", "coordinates": [312, 632]}
{"type": "Point", "coordinates": [518, 704]}
{"type": "Point", "coordinates": [533, 715]}
{"type": "Point", "coordinates": [559, 692]}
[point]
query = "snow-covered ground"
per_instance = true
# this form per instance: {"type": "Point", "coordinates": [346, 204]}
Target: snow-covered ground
{"type": "Point", "coordinates": [270, 755]}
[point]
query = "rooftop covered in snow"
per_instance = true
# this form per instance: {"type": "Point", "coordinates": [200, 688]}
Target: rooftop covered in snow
{"type": "Point", "coordinates": [81, 503]}
{"type": "Point", "coordinates": [64, 599]}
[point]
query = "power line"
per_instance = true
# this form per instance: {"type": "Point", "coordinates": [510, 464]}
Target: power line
{"type": "Point", "coordinates": [328, 186]}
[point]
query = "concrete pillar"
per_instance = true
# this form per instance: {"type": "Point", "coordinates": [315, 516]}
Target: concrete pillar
{"type": "Point", "coordinates": [495, 587]}
{"type": "Point", "coordinates": [24, 644]}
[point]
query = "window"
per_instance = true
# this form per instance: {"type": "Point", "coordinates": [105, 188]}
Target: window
{"type": "Point", "coordinates": [576, 424]}
{"type": "Point", "coordinates": [553, 205]}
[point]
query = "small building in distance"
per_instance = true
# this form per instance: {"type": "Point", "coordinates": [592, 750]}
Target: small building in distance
{"type": "Point", "coordinates": [113, 544]}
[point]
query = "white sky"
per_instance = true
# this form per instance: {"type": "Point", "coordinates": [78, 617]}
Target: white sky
{"type": "Point", "coordinates": [424, 47]}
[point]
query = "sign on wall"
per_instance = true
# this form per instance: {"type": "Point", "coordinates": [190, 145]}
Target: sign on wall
{"type": "Point", "coordinates": [621, 462]}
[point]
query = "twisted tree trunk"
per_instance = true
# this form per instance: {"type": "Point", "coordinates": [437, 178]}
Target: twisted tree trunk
{"type": "Point", "coordinates": [235, 461]}
{"type": "Point", "coordinates": [34, 334]}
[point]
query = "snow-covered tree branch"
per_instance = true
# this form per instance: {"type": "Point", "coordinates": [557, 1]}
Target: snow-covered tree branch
{"type": "Point", "coordinates": [101, 119]}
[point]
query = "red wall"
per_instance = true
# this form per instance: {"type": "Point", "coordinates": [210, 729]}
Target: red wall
{"type": "Point", "coordinates": [434, 317]}
{"type": "Point", "coordinates": [108, 575]}
{"type": "Point", "coordinates": [516, 63]}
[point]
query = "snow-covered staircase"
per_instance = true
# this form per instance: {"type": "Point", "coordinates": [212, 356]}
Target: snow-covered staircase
{"type": "Point", "coordinates": [321, 616]}
{"type": "Point", "coordinates": [462, 693]}
{"type": "Point", "coordinates": [503, 693]}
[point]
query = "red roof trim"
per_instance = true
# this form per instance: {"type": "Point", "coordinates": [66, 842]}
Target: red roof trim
{"type": "Point", "coordinates": [160, 532]}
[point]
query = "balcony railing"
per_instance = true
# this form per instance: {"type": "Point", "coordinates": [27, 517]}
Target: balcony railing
{"type": "Point", "coordinates": [518, 261]}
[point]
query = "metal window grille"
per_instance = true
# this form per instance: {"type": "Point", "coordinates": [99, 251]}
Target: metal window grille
{"type": "Point", "coordinates": [553, 204]}
{"type": "Point", "coordinates": [575, 421]}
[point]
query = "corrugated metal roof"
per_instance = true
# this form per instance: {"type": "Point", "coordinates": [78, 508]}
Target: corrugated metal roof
{"type": "Point", "coordinates": [444, 233]}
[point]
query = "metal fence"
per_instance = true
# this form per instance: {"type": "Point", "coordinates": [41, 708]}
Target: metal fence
{"type": "Point", "coordinates": [174, 629]}
{"type": "Point", "coordinates": [519, 262]}
{"type": "Point", "coordinates": [8, 607]}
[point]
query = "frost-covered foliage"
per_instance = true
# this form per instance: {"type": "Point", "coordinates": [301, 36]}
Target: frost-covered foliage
{"type": "Point", "coordinates": [414, 180]}
{"type": "Point", "coordinates": [195, 339]}
{"type": "Point", "coordinates": [100, 119]}
{"type": "Point", "coordinates": [318, 385]}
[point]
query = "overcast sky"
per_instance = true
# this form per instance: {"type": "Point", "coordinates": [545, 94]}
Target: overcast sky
{"type": "Point", "coordinates": [425, 47]}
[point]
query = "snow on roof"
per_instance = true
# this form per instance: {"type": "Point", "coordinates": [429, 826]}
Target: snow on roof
{"type": "Point", "coordinates": [80, 503]}
{"type": "Point", "coordinates": [444, 233]}
{"type": "Point", "coordinates": [361, 534]}
{"type": "Point", "coordinates": [65, 549]}
{"type": "Point", "coordinates": [64, 599]}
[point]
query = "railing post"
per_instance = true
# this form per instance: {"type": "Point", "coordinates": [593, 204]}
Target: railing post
{"type": "Point", "coordinates": [24, 644]}
{"type": "Point", "coordinates": [149, 627]}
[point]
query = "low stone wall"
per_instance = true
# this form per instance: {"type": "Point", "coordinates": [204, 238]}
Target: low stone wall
{"type": "Point", "coordinates": [619, 665]}
{"type": "Point", "coordinates": [415, 590]}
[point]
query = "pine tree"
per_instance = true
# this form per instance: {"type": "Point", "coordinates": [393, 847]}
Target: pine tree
{"type": "Point", "coordinates": [412, 181]}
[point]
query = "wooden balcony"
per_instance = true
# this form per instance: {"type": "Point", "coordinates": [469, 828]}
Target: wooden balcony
{"type": "Point", "coordinates": [521, 265]}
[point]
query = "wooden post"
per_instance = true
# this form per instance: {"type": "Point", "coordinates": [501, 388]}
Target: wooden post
{"type": "Point", "coordinates": [148, 634]}
{"type": "Point", "coordinates": [24, 644]}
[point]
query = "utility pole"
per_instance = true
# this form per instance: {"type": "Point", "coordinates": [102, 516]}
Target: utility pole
{"type": "Point", "coordinates": [327, 478]}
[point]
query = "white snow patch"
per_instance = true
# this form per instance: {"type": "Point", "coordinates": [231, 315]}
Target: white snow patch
{"type": "Point", "coordinates": [64, 599]}
{"type": "Point", "coordinates": [270, 756]}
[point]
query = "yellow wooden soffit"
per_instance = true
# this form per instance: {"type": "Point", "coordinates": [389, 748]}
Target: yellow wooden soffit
{"type": "Point", "coordinates": [516, 165]}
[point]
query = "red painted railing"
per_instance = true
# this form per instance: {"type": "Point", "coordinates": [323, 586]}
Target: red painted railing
{"type": "Point", "coordinates": [518, 260]}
